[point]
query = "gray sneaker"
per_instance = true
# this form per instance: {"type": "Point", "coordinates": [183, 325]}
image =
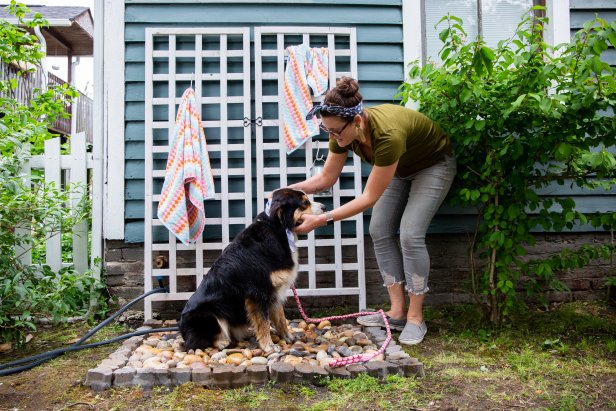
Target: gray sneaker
{"type": "Point", "coordinates": [413, 333]}
{"type": "Point", "coordinates": [376, 320]}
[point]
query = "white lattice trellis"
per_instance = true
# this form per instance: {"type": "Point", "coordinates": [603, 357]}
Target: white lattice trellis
{"type": "Point", "coordinates": [345, 275]}
{"type": "Point", "coordinates": [216, 62]}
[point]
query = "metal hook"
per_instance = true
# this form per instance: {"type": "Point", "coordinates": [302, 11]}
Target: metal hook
{"type": "Point", "coordinates": [317, 157]}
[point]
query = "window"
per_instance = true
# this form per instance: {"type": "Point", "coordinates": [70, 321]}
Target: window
{"type": "Point", "coordinates": [494, 20]}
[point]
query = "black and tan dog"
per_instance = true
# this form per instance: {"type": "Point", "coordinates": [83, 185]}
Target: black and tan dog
{"type": "Point", "coordinates": [247, 285]}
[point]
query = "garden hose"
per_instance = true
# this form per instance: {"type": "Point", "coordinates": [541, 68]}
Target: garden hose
{"type": "Point", "coordinates": [31, 362]}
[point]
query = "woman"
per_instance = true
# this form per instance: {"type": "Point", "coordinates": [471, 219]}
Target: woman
{"type": "Point", "coordinates": [412, 170]}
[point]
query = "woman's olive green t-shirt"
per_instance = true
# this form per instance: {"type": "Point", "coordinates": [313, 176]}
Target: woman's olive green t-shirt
{"type": "Point", "coordinates": [402, 134]}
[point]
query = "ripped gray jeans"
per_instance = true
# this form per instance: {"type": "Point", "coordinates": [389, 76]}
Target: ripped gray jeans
{"type": "Point", "coordinates": [408, 205]}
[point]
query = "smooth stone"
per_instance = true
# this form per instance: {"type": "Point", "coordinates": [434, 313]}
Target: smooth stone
{"type": "Point", "coordinates": [303, 325]}
{"type": "Point", "coordinates": [257, 352]}
{"type": "Point", "coordinates": [143, 348]}
{"type": "Point", "coordinates": [345, 351]}
{"type": "Point", "coordinates": [152, 342]}
{"type": "Point", "coordinates": [356, 349]}
{"type": "Point", "coordinates": [358, 335]}
{"type": "Point", "coordinates": [290, 359]}
{"type": "Point", "coordinates": [247, 353]}
{"type": "Point", "coordinates": [163, 345]}
{"type": "Point", "coordinates": [191, 358]}
{"type": "Point", "coordinates": [330, 349]}
{"type": "Point", "coordinates": [379, 357]}
{"type": "Point", "coordinates": [322, 354]}
{"type": "Point", "coordinates": [324, 324]}
{"type": "Point", "coordinates": [297, 353]}
{"type": "Point", "coordinates": [151, 362]}
{"type": "Point", "coordinates": [219, 356]}
{"type": "Point", "coordinates": [235, 358]}
{"type": "Point", "coordinates": [259, 360]}
{"type": "Point", "coordinates": [363, 342]}
{"type": "Point", "coordinates": [197, 364]}
{"type": "Point", "coordinates": [348, 333]}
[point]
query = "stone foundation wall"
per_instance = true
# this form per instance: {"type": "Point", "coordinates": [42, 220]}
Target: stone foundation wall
{"type": "Point", "coordinates": [450, 276]}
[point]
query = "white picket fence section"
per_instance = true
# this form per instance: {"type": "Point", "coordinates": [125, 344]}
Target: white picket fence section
{"type": "Point", "coordinates": [74, 167]}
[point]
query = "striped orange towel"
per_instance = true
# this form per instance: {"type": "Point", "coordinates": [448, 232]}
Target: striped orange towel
{"type": "Point", "coordinates": [188, 176]}
{"type": "Point", "coordinates": [307, 68]}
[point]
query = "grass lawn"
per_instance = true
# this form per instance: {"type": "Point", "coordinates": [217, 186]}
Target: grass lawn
{"type": "Point", "coordinates": [560, 359]}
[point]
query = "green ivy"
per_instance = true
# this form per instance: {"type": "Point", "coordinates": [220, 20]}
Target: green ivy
{"type": "Point", "coordinates": [39, 209]}
{"type": "Point", "coordinates": [523, 115]}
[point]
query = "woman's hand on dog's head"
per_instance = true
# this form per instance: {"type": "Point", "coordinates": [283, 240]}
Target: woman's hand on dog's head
{"type": "Point", "coordinates": [310, 222]}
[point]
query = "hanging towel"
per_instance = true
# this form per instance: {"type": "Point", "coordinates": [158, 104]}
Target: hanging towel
{"type": "Point", "coordinates": [188, 176]}
{"type": "Point", "coordinates": [306, 67]}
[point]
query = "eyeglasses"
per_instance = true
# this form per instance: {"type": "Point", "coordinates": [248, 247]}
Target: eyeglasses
{"type": "Point", "coordinates": [335, 133]}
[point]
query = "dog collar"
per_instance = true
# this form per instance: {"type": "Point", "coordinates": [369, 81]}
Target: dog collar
{"type": "Point", "coordinates": [290, 234]}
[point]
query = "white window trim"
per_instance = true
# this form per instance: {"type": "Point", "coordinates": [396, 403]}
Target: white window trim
{"type": "Point", "coordinates": [556, 32]}
{"type": "Point", "coordinates": [412, 32]}
{"type": "Point", "coordinates": [559, 28]}
{"type": "Point", "coordinates": [110, 74]}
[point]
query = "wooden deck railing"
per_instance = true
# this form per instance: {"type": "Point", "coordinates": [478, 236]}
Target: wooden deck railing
{"type": "Point", "coordinates": [27, 86]}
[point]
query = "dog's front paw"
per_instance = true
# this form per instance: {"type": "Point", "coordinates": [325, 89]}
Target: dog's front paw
{"type": "Point", "coordinates": [222, 343]}
{"type": "Point", "coordinates": [289, 337]}
{"type": "Point", "coordinates": [272, 348]}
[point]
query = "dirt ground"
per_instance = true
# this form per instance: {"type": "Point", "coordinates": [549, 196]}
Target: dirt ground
{"type": "Point", "coordinates": [563, 358]}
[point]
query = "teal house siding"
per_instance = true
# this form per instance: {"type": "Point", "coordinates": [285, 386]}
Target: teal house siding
{"type": "Point", "coordinates": [380, 72]}
{"type": "Point", "coordinates": [379, 51]}
{"type": "Point", "coordinates": [581, 12]}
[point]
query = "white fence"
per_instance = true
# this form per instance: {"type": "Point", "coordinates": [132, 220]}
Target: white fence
{"type": "Point", "coordinates": [60, 170]}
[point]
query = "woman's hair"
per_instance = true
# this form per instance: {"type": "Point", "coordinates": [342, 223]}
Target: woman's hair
{"type": "Point", "coordinates": [345, 94]}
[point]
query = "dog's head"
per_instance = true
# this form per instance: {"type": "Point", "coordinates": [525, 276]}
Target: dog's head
{"type": "Point", "coordinates": [288, 205]}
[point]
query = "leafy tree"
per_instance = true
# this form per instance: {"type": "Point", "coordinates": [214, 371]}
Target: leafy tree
{"type": "Point", "coordinates": [524, 115]}
{"type": "Point", "coordinates": [31, 210]}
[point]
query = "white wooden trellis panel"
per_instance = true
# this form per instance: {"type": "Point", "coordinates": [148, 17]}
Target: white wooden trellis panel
{"type": "Point", "coordinates": [342, 46]}
{"type": "Point", "coordinates": [177, 81]}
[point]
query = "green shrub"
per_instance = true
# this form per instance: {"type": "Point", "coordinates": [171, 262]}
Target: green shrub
{"type": "Point", "coordinates": [523, 115]}
{"type": "Point", "coordinates": [33, 211]}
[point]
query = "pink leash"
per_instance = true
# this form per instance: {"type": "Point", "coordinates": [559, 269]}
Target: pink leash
{"type": "Point", "coordinates": [353, 358]}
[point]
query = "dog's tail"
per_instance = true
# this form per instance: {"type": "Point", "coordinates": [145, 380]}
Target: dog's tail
{"type": "Point", "coordinates": [198, 330]}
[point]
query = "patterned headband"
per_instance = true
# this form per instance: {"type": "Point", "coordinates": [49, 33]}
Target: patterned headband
{"type": "Point", "coordinates": [348, 112]}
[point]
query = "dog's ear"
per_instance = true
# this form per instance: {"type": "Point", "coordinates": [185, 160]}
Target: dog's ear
{"type": "Point", "coordinates": [284, 212]}
{"type": "Point", "coordinates": [283, 206]}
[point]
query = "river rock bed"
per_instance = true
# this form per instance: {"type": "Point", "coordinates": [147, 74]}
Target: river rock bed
{"type": "Point", "coordinates": [159, 358]}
